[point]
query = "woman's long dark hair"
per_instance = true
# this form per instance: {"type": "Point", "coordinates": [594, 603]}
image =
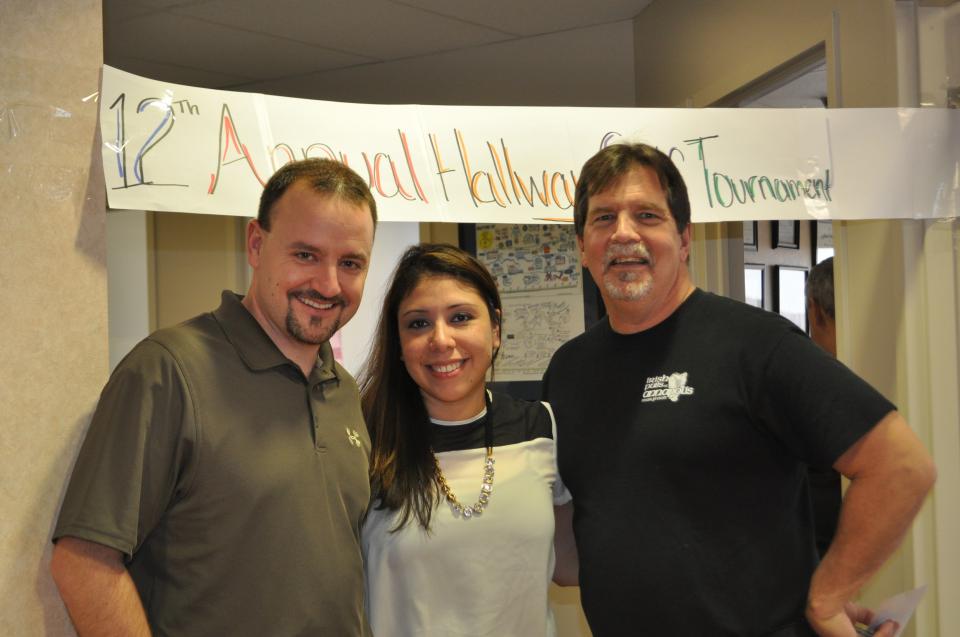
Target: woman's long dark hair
{"type": "Point", "coordinates": [402, 471]}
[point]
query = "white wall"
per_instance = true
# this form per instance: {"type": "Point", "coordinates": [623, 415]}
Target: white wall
{"type": "Point", "coordinates": [128, 281]}
{"type": "Point", "coordinates": [390, 242]}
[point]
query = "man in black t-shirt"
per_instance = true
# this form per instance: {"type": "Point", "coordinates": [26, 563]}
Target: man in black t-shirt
{"type": "Point", "coordinates": [685, 424]}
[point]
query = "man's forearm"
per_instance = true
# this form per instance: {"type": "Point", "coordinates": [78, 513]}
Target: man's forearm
{"type": "Point", "coordinates": [97, 590]}
{"type": "Point", "coordinates": [890, 475]}
{"type": "Point", "coordinates": [865, 538]}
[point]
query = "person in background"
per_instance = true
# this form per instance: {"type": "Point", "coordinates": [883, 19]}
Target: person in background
{"type": "Point", "coordinates": [687, 421]}
{"type": "Point", "coordinates": [220, 487]}
{"type": "Point", "coordinates": [459, 539]}
{"type": "Point", "coordinates": [825, 488]}
{"type": "Point", "coordinates": [820, 307]}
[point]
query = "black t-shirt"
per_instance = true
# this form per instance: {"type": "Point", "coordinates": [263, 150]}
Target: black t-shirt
{"type": "Point", "coordinates": [685, 447]}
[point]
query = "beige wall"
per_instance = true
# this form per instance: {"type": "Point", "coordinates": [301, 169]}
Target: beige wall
{"type": "Point", "coordinates": [54, 290]}
{"type": "Point", "coordinates": [695, 52]}
{"type": "Point", "coordinates": [194, 257]}
{"type": "Point", "coordinates": [898, 288]}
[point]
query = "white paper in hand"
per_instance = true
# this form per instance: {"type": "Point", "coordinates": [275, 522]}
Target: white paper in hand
{"type": "Point", "coordinates": [898, 608]}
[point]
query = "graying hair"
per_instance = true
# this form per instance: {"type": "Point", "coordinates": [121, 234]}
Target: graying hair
{"type": "Point", "coordinates": [820, 286]}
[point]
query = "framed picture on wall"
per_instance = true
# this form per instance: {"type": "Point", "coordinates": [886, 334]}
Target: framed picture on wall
{"type": "Point", "coordinates": [786, 234]}
{"type": "Point", "coordinates": [822, 231]}
{"type": "Point", "coordinates": [547, 296]}
{"type": "Point", "coordinates": [750, 235]}
{"type": "Point", "coordinates": [789, 298]}
{"type": "Point", "coordinates": [753, 283]}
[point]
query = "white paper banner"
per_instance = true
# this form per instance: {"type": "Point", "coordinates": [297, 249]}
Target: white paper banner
{"type": "Point", "coordinates": [184, 149]}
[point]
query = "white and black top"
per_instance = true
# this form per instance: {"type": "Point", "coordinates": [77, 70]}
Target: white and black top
{"type": "Point", "coordinates": [487, 575]}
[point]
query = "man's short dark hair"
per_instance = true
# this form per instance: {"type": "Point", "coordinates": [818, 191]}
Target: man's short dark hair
{"type": "Point", "coordinates": [820, 286]}
{"type": "Point", "coordinates": [325, 176]}
{"type": "Point", "coordinates": [613, 162]}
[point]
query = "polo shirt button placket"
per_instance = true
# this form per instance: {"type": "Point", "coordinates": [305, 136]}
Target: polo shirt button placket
{"type": "Point", "coordinates": [319, 447]}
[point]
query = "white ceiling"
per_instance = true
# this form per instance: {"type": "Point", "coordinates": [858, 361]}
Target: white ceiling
{"type": "Point", "coordinates": [238, 44]}
{"type": "Point", "coordinates": [520, 52]}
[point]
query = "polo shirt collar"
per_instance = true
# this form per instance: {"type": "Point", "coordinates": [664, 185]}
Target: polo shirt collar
{"type": "Point", "coordinates": [255, 347]}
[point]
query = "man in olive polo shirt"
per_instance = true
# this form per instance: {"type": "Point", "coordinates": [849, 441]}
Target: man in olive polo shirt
{"type": "Point", "coordinates": [220, 488]}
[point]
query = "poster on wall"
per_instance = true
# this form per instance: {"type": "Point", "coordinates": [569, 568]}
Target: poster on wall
{"type": "Point", "coordinates": [537, 270]}
{"type": "Point", "coordinates": [176, 148]}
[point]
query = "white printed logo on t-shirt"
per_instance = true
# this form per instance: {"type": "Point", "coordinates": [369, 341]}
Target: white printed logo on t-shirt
{"type": "Point", "coordinates": [665, 387]}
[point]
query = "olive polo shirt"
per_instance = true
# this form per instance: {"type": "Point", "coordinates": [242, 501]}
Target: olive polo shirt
{"type": "Point", "coordinates": [233, 484]}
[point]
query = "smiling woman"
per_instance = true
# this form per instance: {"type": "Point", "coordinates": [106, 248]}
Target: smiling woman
{"type": "Point", "coordinates": [459, 539]}
{"type": "Point", "coordinates": [448, 337]}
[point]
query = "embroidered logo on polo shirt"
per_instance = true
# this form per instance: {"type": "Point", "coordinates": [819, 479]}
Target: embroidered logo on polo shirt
{"type": "Point", "coordinates": [353, 437]}
{"type": "Point", "coordinates": [665, 387]}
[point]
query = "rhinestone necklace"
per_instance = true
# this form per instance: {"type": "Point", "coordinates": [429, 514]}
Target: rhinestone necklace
{"type": "Point", "coordinates": [486, 487]}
